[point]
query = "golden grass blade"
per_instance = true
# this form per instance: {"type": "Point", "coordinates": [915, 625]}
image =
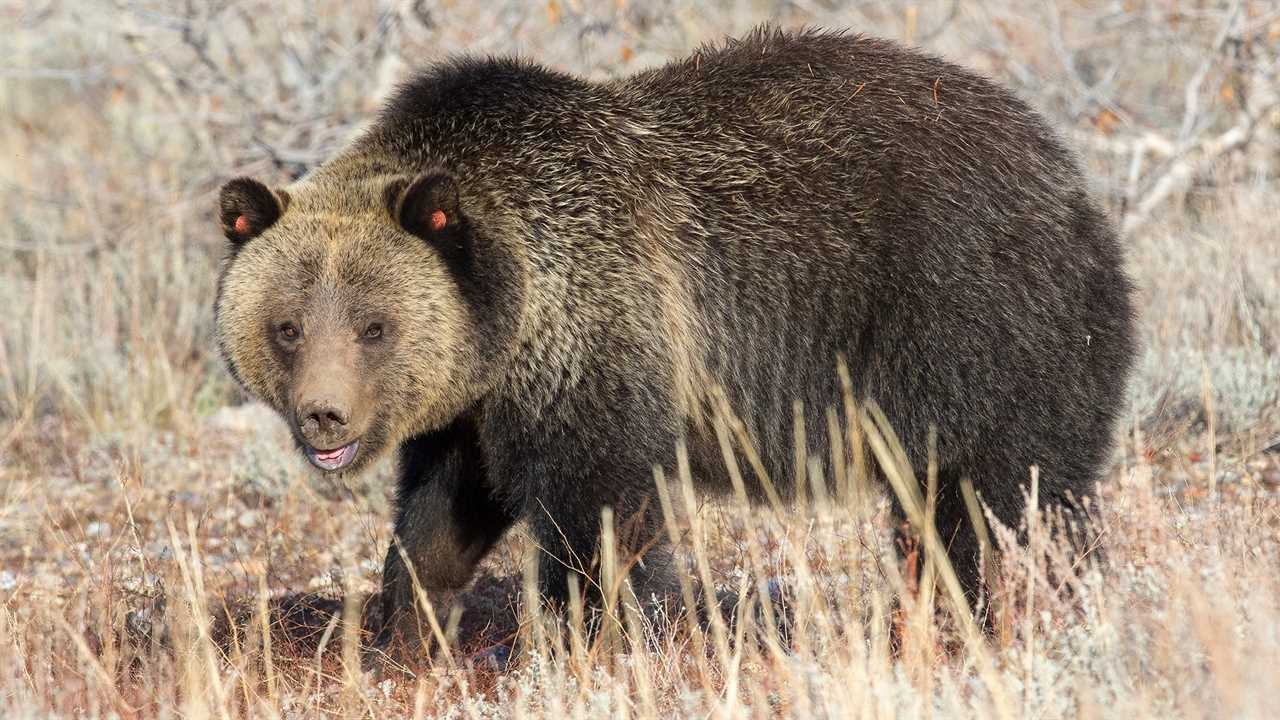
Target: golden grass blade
{"type": "Point", "coordinates": [888, 450]}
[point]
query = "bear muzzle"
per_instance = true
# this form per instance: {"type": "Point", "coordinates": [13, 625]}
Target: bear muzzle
{"type": "Point", "coordinates": [336, 459]}
{"type": "Point", "coordinates": [324, 427]}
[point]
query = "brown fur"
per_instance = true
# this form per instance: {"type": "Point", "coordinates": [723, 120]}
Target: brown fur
{"type": "Point", "coordinates": [730, 222]}
{"type": "Point", "coordinates": [343, 250]}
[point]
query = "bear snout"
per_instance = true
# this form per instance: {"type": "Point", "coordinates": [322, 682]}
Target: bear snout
{"type": "Point", "coordinates": [323, 423]}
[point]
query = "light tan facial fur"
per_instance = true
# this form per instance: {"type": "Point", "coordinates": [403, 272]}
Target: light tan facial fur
{"type": "Point", "coordinates": [333, 265]}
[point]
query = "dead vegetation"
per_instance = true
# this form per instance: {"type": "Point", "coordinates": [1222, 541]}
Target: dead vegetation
{"type": "Point", "coordinates": [163, 553]}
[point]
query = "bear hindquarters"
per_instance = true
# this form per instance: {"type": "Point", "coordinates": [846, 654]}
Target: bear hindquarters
{"type": "Point", "coordinates": [447, 520]}
{"type": "Point", "coordinates": [1002, 490]}
{"type": "Point", "coordinates": [958, 534]}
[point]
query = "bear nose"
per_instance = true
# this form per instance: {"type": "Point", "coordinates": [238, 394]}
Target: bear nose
{"type": "Point", "coordinates": [322, 422]}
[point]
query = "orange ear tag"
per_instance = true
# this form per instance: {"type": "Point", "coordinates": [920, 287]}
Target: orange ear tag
{"type": "Point", "coordinates": [438, 220]}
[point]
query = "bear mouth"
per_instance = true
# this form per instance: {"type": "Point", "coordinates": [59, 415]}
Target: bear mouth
{"type": "Point", "coordinates": [335, 459]}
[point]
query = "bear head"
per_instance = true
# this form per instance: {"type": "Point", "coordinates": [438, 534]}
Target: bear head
{"type": "Point", "coordinates": [362, 310]}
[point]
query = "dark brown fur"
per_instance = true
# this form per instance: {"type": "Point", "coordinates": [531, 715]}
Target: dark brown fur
{"type": "Point", "coordinates": [737, 219]}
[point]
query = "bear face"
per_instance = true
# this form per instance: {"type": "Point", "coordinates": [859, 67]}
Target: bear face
{"type": "Point", "coordinates": [347, 317]}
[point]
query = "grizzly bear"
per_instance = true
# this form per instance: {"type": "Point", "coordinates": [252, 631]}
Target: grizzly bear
{"type": "Point", "coordinates": [531, 286]}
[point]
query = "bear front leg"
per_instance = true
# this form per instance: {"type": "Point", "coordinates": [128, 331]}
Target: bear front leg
{"type": "Point", "coordinates": [568, 534]}
{"type": "Point", "coordinates": [574, 476]}
{"type": "Point", "coordinates": [447, 520]}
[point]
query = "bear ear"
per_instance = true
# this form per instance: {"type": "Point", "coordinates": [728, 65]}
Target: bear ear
{"type": "Point", "coordinates": [247, 208]}
{"type": "Point", "coordinates": [426, 206]}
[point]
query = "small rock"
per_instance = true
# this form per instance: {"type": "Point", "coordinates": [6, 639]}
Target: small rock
{"type": "Point", "coordinates": [495, 658]}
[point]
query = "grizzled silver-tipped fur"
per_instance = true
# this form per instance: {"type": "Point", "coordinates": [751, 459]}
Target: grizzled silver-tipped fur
{"type": "Point", "coordinates": [558, 273]}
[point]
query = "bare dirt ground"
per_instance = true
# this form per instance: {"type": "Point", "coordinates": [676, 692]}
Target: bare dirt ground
{"type": "Point", "coordinates": [153, 523]}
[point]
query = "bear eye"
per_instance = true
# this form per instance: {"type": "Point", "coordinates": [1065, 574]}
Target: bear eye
{"type": "Point", "coordinates": [289, 331]}
{"type": "Point", "coordinates": [373, 332]}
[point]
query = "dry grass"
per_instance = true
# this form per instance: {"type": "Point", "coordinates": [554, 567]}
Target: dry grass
{"type": "Point", "coordinates": [151, 527]}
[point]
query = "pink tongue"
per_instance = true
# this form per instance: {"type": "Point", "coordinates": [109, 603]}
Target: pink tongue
{"type": "Point", "coordinates": [331, 455]}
